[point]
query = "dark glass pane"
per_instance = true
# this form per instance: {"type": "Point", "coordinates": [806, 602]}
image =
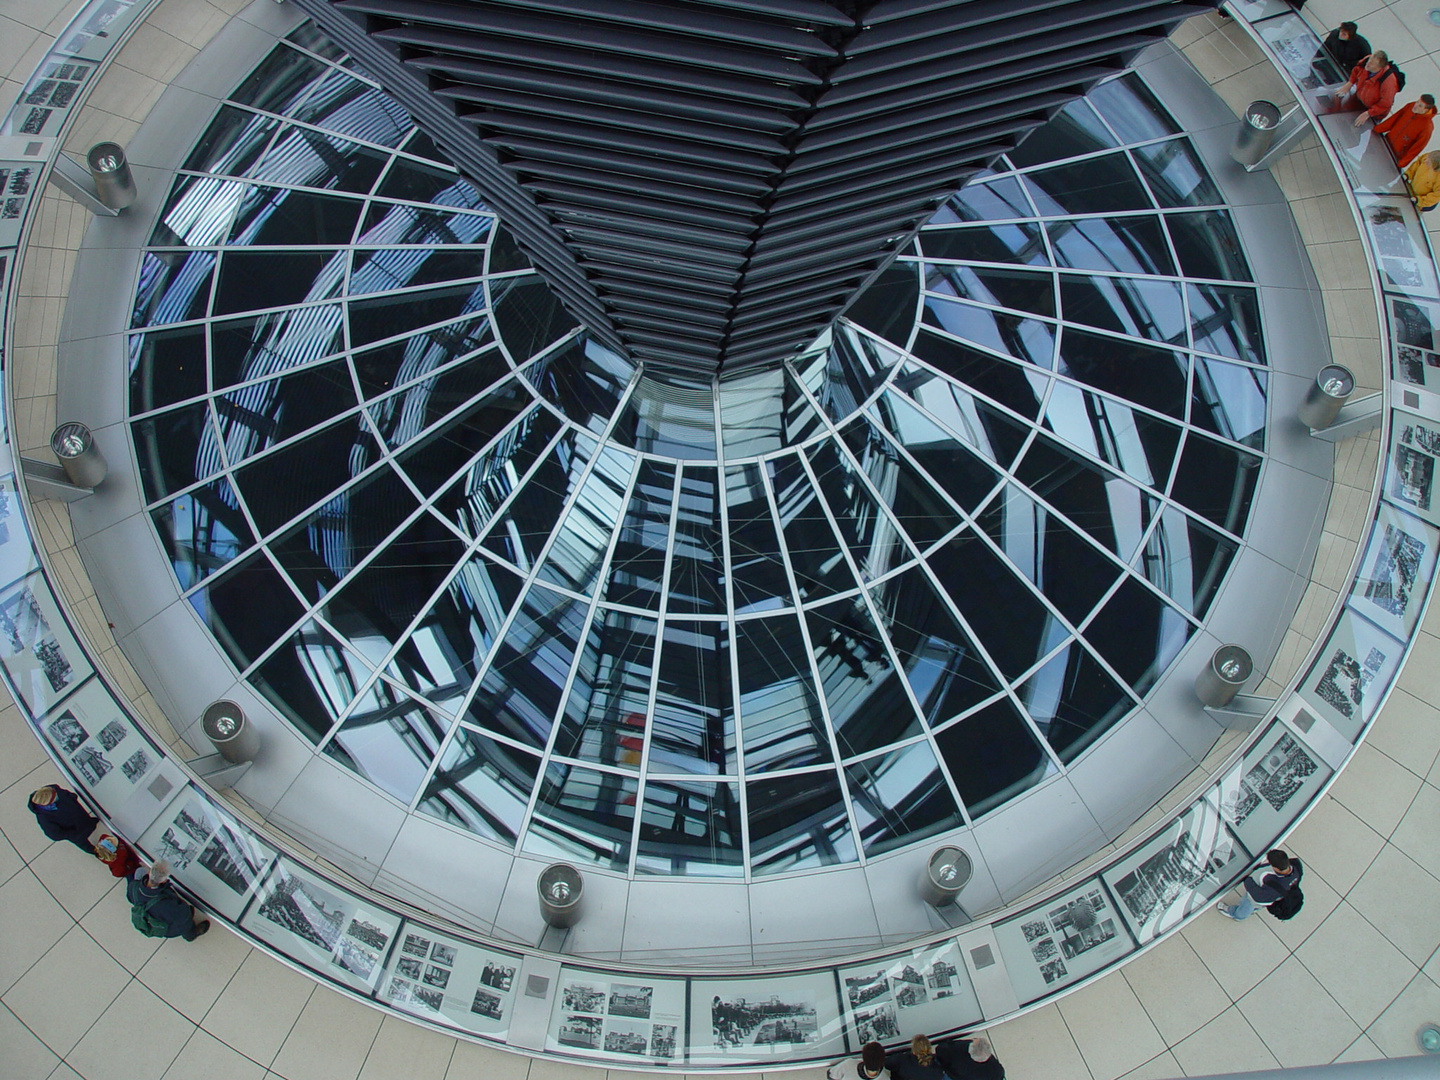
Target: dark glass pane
{"type": "Point", "coordinates": [388, 316]}
{"type": "Point", "coordinates": [585, 381]}
{"type": "Point", "coordinates": [261, 345]}
{"type": "Point", "coordinates": [874, 542]}
{"type": "Point", "coordinates": [1008, 619]}
{"type": "Point", "coordinates": [520, 695]}
{"type": "Point", "coordinates": [279, 485]}
{"type": "Point", "coordinates": [395, 223]}
{"type": "Point", "coordinates": [1229, 400]}
{"type": "Point", "coordinates": [279, 216]}
{"type": "Point", "coordinates": [957, 468]}
{"type": "Point", "coordinates": [202, 530]}
{"type": "Point", "coordinates": [885, 307]}
{"type": "Point", "coordinates": [403, 417]}
{"type": "Point", "coordinates": [1151, 377]}
{"type": "Point", "coordinates": [1105, 506]}
{"type": "Point", "coordinates": [670, 420]}
{"type": "Point", "coordinates": [1131, 245]}
{"type": "Point", "coordinates": [1073, 131]}
{"type": "Point", "coordinates": [756, 566]}
{"type": "Point", "coordinates": [505, 253]}
{"type": "Point", "coordinates": [280, 80]}
{"type": "Point", "coordinates": [173, 287]}
{"type": "Point", "coordinates": [899, 798]}
{"type": "Point", "coordinates": [866, 699]}
{"type": "Point", "coordinates": [1102, 185]}
{"type": "Point", "coordinates": [1138, 634]}
{"type": "Point", "coordinates": [604, 717]}
{"type": "Point", "coordinates": [690, 829]}
{"type": "Point", "coordinates": [584, 815]}
{"type": "Point", "coordinates": [992, 756]}
{"type": "Point", "coordinates": [521, 532]}
{"type": "Point", "coordinates": [1207, 246]}
{"type": "Point", "coordinates": [410, 181]}
{"type": "Point", "coordinates": [384, 367]}
{"type": "Point", "coordinates": [985, 200]}
{"type": "Point", "coordinates": [694, 726]}
{"type": "Point", "coordinates": [855, 366]}
{"type": "Point", "coordinates": [232, 142]}
{"type": "Point", "coordinates": [1134, 306]}
{"type": "Point", "coordinates": [912, 500]}
{"type": "Point", "coordinates": [389, 739]}
{"type": "Point", "coordinates": [637, 567]}
{"type": "Point", "coordinates": [779, 709]}
{"type": "Point", "coordinates": [1019, 243]}
{"type": "Point", "coordinates": [1186, 561]}
{"type": "Point", "coordinates": [166, 366]}
{"type": "Point", "coordinates": [311, 158]}
{"type": "Point", "coordinates": [343, 104]}
{"type": "Point", "coordinates": [470, 503]}
{"type": "Point", "coordinates": [247, 608]}
{"type": "Point", "coordinates": [261, 415]}
{"type": "Point", "coordinates": [198, 212]}
{"type": "Point", "coordinates": [1015, 386]}
{"type": "Point", "coordinates": [583, 537]}
{"type": "Point", "coordinates": [1175, 174]}
{"type": "Point", "coordinates": [1023, 290]}
{"type": "Point", "coordinates": [1132, 110]}
{"type": "Point", "coordinates": [174, 449]}
{"type": "Point", "coordinates": [697, 566]}
{"type": "Point", "coordinates": [1226, 320]}
{"type": "Point", "coordinates": [762, 413]}
{"type": "Point", "coordinates": [798, 822]}
{"type": "Point", "coordinates": [1217, 482]}
{"type": "Point", "coordinates": [393, 268]}
{"type": "Point", "coordinates": [1138, 443]}
{"type": "Point", "coordinates": [311, 679]}
{"type": "Point", "coordinates": [1025, 339]}
{"type": "Point", "coordinates": [1073, 701]}
{"type": "Point", "coordinates": [942, 664]}
{"type": "Point", "coordinates": [815, 556]}
{"type": "Point", "coordinates": [481, 785]}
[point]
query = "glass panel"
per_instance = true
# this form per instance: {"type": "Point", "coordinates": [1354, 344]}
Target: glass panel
{"type": "Point", "coordinates": [202, 530]}
{"type": "Point", "coordinates": [394, 223]}
{"type": "Point", "coordinates": [1015, 386]}
{"type": "Point", "coordinates": [310, 159]}
{"type": "Point", "coordinates": [637, 568]}
{"type": "Point", "coordinates": [582, 539]}
{"type": "Point", "coordinates": [1073, 131]}
{"type": "Point", "coordinates": [697, 568]}
{"type": "Point", "coordinates": [690, 829]}
{"type": "Point", "coordinates": [1073, 701]}
{"type": "Point", "coordinates": [874, 542]}
{"type": "Point", "coordinates": [481, 785]}
{"type": "Point", "coordinates": [1138, 634]}
{"type": "Point", "coordinates": [1102, 185]}
{"type": "Point", "coordinates": [166, 366]}
{"type": "Point", "coordinates": [410, 181]}
{"type": "Point", "coordinates": [311, 679]}
{"type": "Point", "coordinates": [234, 139]}
{"type": "Point", "coordinates": [198, 212]}
{"type": "Point", "coordinates": [1022, 290]}
{"type": "Point", "coordinates": [762, 413]}
{"type": "Point", "coordinates": [779, 707]}
{"type": "Point", "coordinates": [284, 482]}
{"type": "Point", "coordinates": [279, 216]}
{"type": "Point", "coordinates": [1132, 110]}
{"type": "Point", "coordinates": [984, 199]}
{"type": "Point", "coordinates": [1230, 400]}
{"type": "Point", "coordinates": [173, 287]}
{"type": "Point", "coordinates": [261, 415]}
{"type": "Point", "coordinates": [910, 498]}
{"type": "Point", "coordinates": [899, 798]}
{"type": "Point", "coordinates": [1186, 561]}
{"type": "Point", "coordinates": [694, 726]}
{"type": "Point", "coordinates": [1138, 307]}
{"type": "Point", "coordinates": [390, 739]}
{"type": "Point", "coordinates": [384, 367]}
{"type": "Point", "coordinates": [1151, 377]}
{"type": "Point", "coordinates": [670, 420]}
{"type": "Point", "coordinates": [1207, 246]}
{"type": "Point", "coordinates": [403, 416]}
{"type": "Point", "coordinates": [866, 699]}
{"type": "Point", "coordinates": [174, 449]}
{"type": "Point", "coordinates": [343, 104]}
{"type": "Point", "coordinates": [1217, 482]}
{"type": "Point", "coordinates": [798, 822]}
{"type": "Point", "coordinates": [280, 81]}
{"type": "Point", "coordinates": [1131, 245]}
{"type": "Point", "coordinates": [1105, 506]}
{"type": "Point", "coordinates": [942, 664]}
{"type": "Point", "coordinates": [262, 345]}
{"type": "Point", "coordinates": [405, 268]}
{"type": "Point", "coordinates": [255, 280]}
{"type": "Point", "coordinates": [584, 815]}
{"type": "Point", "coordinates": [529, 319]}
{"type": "Point", "coordinates": [247, 608]}
{"type": "Point", "coordinates": [1139, 444]}
{"type": "Point", "coordinates": [604, 718]}
{"type": "Point", "coordinates": [384, 317]}
{"type": "Point", "coordinates": [820, 568]}
{"type": "Point", "coordinates": [756, 566]}
{"type": "Point", "coordinates": [1226, 320]}
{"type": "Point", "coordinates": [1025, 339]}
{"type": "Point", "coordinates": [470, 503]}
{"type": "Point", "coordinates": [992, 757]}
{"type": "Point", "coordinates": [959, 468]}
{"type": "Point", "coordinates": [520, 533]}
{"type": "Point", "coordinates": [1175, 174]}
{"type": "Point", "coordinates": [584, 380]}
{"type": "Point", "coordinates": [1019, 243]}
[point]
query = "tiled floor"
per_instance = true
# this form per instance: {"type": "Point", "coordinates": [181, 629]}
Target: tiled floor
{"type": "Point", "coordinates": [1351, 978]}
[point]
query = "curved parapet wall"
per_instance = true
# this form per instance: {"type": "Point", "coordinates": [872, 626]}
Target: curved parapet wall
{"type": "Point", "coordinates": [1020, 957]}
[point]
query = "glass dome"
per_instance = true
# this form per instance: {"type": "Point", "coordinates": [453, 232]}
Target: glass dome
{"type": "Point", "coordinates": [789, 620]}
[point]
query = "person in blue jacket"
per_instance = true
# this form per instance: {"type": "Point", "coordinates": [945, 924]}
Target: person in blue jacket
{"type": "Point", "coordinates": [1283, 876]}
{"type": "Point", "coordinates": [62, 816]}
{"type": "Point", "coordinates": [152, 889]}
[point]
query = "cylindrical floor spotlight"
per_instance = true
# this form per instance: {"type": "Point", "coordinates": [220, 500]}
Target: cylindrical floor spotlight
{"type": "Point", "coordinates": [561, 889]}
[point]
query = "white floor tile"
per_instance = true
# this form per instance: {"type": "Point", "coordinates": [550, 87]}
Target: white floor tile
{"type": "Point", "coordinates": [21, 1053]}
{"type": "Point", "coordinates": [191, 975]}
{"type": "Point", "coordinates": [1335, 844]}
{"type": "Point", "coordinates": [1155, 976]}
{"type": "Point", "coordinates": [1226, 1044]}
{"type": "Point", "coordinates": [1039, 1044]}
{"type": "Point", "coordinates": [108, 922]}
{"type": "Point", "coordinates": [1359, 967]}
{"type": "Point", "coordinates": [1376, 789]}
{"type": "Point", "coordinates": [1111, 1028]}
{"type": "Point", "coordinates": [312, 1052]}
{"type": "Point", "coordinates": [75, 879]}
{"type": "Point", "coordinates": [405, 1049]}
{"type": "Point", "coordinates": [1417, 835]}
{"type": "Point", "coordinates": [1239, 954]}
{"type": "Point", "coordinates": [1394, 1031]}
{"type": "Point", "coordinates": [1386, 897]}
{"type": "Point", "coordinates": [1300, 1023]}
{"type": "Point", "coordinates": [63, 995]}
{"type": "Point", "coordinates": [1160, 1067]}
{"type": "Point", "coordinates": [30, 922]}
{"type": "Point", "coordinates": [258, 1007]}
{"type": "Point", "coordinates": [205, 1057]}
{"type": "Point", "coordinates": [473, 1059]}
{"type": "Point", "coordinates": [111, 1049]}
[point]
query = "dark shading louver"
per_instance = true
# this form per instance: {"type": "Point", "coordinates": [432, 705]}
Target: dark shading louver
{"type": "Point", "coordinates": [708, 183]}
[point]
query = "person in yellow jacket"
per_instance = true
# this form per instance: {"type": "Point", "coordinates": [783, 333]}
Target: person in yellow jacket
{"type": "Point", "coordinates": [1423, 179]}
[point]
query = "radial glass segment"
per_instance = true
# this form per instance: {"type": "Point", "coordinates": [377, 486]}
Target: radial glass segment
{"type": "Point", "coordinates": [792, 619]}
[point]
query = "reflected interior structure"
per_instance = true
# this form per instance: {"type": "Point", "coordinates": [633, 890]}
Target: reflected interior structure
{"type": "Point", "coordinates": [796, 618]}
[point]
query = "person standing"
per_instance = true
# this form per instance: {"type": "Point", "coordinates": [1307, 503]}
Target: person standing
{"type": "Point", "coordinates": [969, 1059]}
{"type": "Point", "coordinates": [871, 1065]}
{"type": "Point", "coordinates": [1408, 130]}
{"type": "Point", "coordinates": [1345, 46]}
{"type": "Point", "coordinates": [62, 816]}
{"type": "Point", "coordinates": [1374, 85]}
{"type": "Point", "coordinates": [158, 910]}
{"type": "Point", "coordinates": [1423, 180]}
{"type": "Point", "coordinates": [917, 1063]}
{"type": "Point", "coordinates": [1284, 875]}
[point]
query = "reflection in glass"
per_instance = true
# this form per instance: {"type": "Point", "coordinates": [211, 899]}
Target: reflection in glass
{"type": "Point", "coordinates": [798, 822]}
{"type": "Point", "coordinates": [1073, 701]}
{"type": "Point", "coordinates": [992, 756]}
{"type": "Point", "coordinates": [583, 815]}
{"type": "Point", "coordinates": [390, 739]}
{"type": "Point", "coordinates": [604, 717]}
{"type": "Point", "coordinates": [780, 715]}
{"type": "Point", "coordinates": [900, 797]}
{"type": "Point", "coordinates": [694, 725]}
{"type": "Point", "coordinates": [866, 700]}
{"type": "Point", "coordinates": [690, 828]}
{"type": "Point", "coordinates": [481, 784]}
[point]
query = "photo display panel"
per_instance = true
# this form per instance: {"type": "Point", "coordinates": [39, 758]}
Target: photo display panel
{"type": "Point", "coordinates": [40, 654]}
{"type": "Point", "coordinates": [1062, 941]}
{"type": "Point", "coordinates": [322, 925]}
{"type": "Point", "coordinates": [107, 753]}
{"type": "Point", "coordinates": [215, 856]}
{"type": "Point", "coordinates": [637, 1019]}
{"type": "Point", "coordinates": [1409, 476]}
{"type": "Point", "coordinates": [451, 981]}
{"type": "Point", "coordinates": [925, 991]}
{"type": "Point", "coordinates": [1270, 785]}
{"type": "Point", "coordinates": [1398, 241]}
{"type": "Point", "coordinates": [1395, 571]}
{"type": "Point", "coordinates": [17, 550]}
{"type": "Point", "coordinates": [1178, 870]}
{"type": "Point", "coordinates": [785, 1017]}
{"type": "Point", "coordinates": [1349, 680]}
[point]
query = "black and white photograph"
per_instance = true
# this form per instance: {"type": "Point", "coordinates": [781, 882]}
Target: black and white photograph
{"type": "Point", "coordinates": [1035, 929]}
{"type": "Point", "coordinates": [863, 989]}
{"type": "Point", "coordinates": [428, 997]}
{"type": "Point", "coordinates": [409, 967]}
{"type": "Point", "coordinates": [233, 860]}
{"type": "Point", "coordinates": [195, 821]}
{"type": "Point", "coordinates": [877, 1025]}
{"type": "Point", "coordinates": [1082, 924]}
{"type": "Point", "coordinates": [627, 999]}
{"type": "Point", "coordinates": [1342, 683]}
{"type": "Point", "coordinates": [662, 1041]}
{"type": "Point", "coordinates": [487, 1004]}
{"type": "Point", "coordinates": [1412, 324]}
{"type": "Point", "coordinates": [908, 994]}
{"type": "Point", "coordinates": [416, 945]}
{"type": "Point", "coordinates": [1412, 477]}
{"type": "Point", "coordinates": [943, 980]}
{"type": "Point", "coordinates": [91, 764]}
{"type": "Point", "coordinates": [1399, 560]}
{"type": "Point", "coordinates": [437, 976]}
{"type": "Point", "coordinates": [367, 933]}
{"type": "Point", "coordinates": [1085, 936]}
{"type": "Point", "coordinates": [36, 646]}
{"type": "Point", "coordinates": [356, 958]}
{"type": "Point", "coordinates": [443, 954]}
{"type": "Point", "coordinates": [1274, 780]}
{"type": "Point", "coordinates": [1394, 570]}
{"type": "Point", "coordinates": [25, 628]}
{"type": "Point", "coordinates": [584, 997]}
{"type": "Point", "coordinates": [1279, 776]}
{"type": "Point", "coordinates": [1044, 949]}
{"type": "Point", "coordinates": [1053, 971]}
{"type": "Point", "coordinates": [582, 1032]}
{"type": "Point", "coordinates": [305, 910]}
{"type": "Point", "coordinates": [627, 1037]}
{"type": "Point", "coordinates": [498, 976]}
{"type": "Point", "coordinates": [17, 555]}
{"type": "Point", "coordinates": [763, 1021]}
{"type": "Point", "coordinates": [922, 990]}
{"type": "Point", "coordinates": [136, 766]}
{"type": "Point", "coordinates": [1175, 872]}
{"type": "Point", "coordinates": [112, 735]}
{"type": "Point", "coordinates": [1409, 365]}
{"type": "Point", "coordinates": [68, 734]}
{"type": "Point", "coordinates": [178, 848]}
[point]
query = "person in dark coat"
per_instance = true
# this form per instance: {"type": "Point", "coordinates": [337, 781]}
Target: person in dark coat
{"type": "Point", "coordinates": [969, 1059]}
{"type": "Point", "coordinates": [1346, 47]}
{"type": "Point", "coordinates": [152, 888]}
{"type": "Point", "coordinates": [1283, 876]}
{"type": "Point", "coordinates": [62, 816]}
{"type": "Point", "coordinates": [917, 1063]}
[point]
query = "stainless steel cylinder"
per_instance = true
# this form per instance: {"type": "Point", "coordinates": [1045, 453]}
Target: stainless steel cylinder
{"type": "Point", "coordinates": [561, 888]}
{"type": "Point", "coordinates": [1326, 396]}
{"type": "Point", "coordinates": [947, 871]}
{"type": "Point", "coordinates": [234, 737]}
{"type": "Point", "coordinates": [1220, 680]}
{"type": "Point", "coordinates": [111, 171]}
{"type": "Point", "coordinates": [1255, 133]}
{"type": "Point", "coordinates": [82, 460]}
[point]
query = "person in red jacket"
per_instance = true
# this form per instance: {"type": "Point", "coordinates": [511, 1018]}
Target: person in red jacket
{"type": "Point", "coordinates": [1373, 84]}
{"type": "Point", "coordinates": [1408, 130]}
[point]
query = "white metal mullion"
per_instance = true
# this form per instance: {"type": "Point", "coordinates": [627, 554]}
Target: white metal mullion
{"type": "Point", "coordinates": [836, 757]}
